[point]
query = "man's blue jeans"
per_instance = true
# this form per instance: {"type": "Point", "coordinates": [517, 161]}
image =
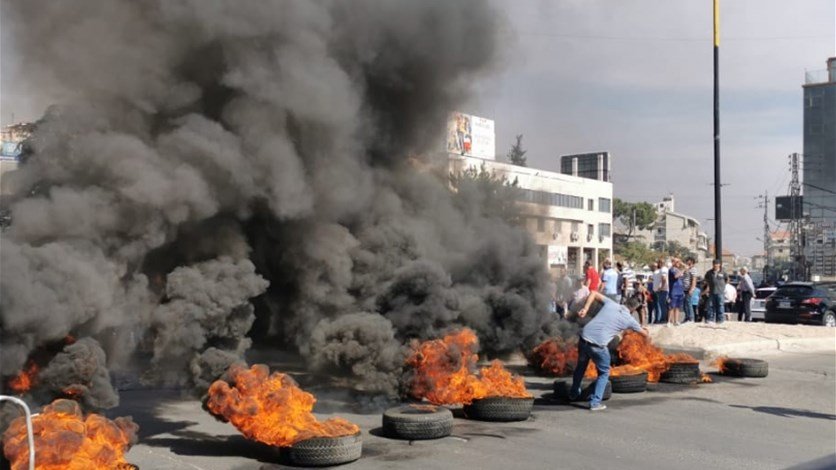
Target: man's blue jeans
{"type": "Point", "coordinates": [662, 306]}
{"type": "Point", "coordinates": [601, 357]}
{"type": "Point", "coordinates": [688, 308]}
{"type": "Point", "coordinates": [716, 308]}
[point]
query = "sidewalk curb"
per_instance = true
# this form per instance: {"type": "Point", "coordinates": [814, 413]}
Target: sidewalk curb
{"type": "Point", "coordinates": [760, 346]}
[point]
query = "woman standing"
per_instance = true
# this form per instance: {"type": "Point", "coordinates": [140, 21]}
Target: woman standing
{"type": "Point", "coordinates": [676, 290]}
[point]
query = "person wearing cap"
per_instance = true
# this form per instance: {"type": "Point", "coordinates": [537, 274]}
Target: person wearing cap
{"type": "Point", "coordinates": [611, 320]}
{"type": "Point", "coordinates": [715, 279]}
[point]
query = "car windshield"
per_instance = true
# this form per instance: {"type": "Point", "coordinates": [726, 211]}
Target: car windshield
{"type": "Point", "coordinates": [763, 293]}
{"type": "Point", "coordinates": [795, 291]}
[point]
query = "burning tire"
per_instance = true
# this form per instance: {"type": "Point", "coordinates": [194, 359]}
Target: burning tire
{"type": "Point", "coordinates": [745, 367]}
{"type": "Point", "coordinates": [414, 422]}
{"type": "Point", "coordinates": [631, 383]}
{"type": "Point", "coordinates": [500, 409]}
{"type": "Point", "coordinates": [322, 451]}
{"type": "Point", "coordinates": [682, 373]}
{"type": "Point", "coordinates": [562, 389]}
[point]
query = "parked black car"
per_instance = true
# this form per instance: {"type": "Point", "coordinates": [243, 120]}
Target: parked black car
{"type": "Point", "coordinates": [803, 302]}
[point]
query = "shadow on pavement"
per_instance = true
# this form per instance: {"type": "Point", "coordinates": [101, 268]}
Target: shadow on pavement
{"type": "Point", "coordinates": [827, 462]}
{"type": "Point", "coordinates": [788, 412]}
{"type": "Point", "coordinates": [207, 445]}
{"type": "Point", "coordinates": [144, 412]}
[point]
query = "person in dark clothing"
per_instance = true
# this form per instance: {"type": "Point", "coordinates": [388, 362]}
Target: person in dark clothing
{"type": "Point", "coordinates": [715, 278]}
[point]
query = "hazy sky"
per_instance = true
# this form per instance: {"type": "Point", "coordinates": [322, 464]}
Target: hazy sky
{"type": "Point", "coordinates": [634, 77]}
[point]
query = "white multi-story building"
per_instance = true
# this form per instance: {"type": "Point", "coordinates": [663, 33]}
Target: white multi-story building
{"type": "Point", "coordinates": [569, 217]}
{"type": "Point", "coordinates": [672, 226]}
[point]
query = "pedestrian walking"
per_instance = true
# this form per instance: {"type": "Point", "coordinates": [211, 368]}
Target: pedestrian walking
{"type": "Point", "coordinates": [609, 282]}
{"type": "Point", "coordinates": [745, 290]}
{"type": "Point", "coordinates": [611, 320]}
{"type": "Point", "coordinates": [715, 278]}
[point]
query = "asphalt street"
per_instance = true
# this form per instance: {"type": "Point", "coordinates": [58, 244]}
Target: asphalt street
{"type": "Point", "coordinates": [785, 420]}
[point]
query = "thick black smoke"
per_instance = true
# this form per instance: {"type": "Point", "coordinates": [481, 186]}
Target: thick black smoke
{"type": "Point", "coordinates": [206, 150]}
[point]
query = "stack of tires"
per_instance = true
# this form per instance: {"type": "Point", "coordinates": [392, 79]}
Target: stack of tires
{"type": "Point", "coordinates": [325, 451]}
{"type": "Point", "coordinates": [417, 422]}
{"type": "Point", "coordinates": [632, 383]}
{"type": "Point", "coordinates": [500, 409]}
{"type": "Point", "coordinates": [682, 373]}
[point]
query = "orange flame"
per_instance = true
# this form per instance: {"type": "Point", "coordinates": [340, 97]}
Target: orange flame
{"type": "Point", "coordinates": [704, 378]}
{"type": "Point", "coordinates": [444, 372]}
{"type": "Point", "coordinates": [720, 363]}
{"type": "Point", "coordinates": [66, 440]}
{"type": "Point", "coordinates": [23, 381]}
{"type": "Point", "coordinates": [270, 408]}
{"type": "Point", "coordinates": [554, 356]}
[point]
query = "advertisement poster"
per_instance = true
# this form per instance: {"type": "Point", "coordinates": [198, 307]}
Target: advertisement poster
{"type": "Point", "coordinates": [557, 254]}
{"type": "Point", "coordinates": [472, 136]}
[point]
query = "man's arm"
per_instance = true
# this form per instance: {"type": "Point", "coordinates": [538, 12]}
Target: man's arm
{"type": "Point", "coordinates": [634, 325]}
{"type": "Point", "coordinates": [592, 297]}
{"type": "Point", "coordinates": [693, 281]}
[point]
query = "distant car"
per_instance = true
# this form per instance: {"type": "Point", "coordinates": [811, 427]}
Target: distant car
{"type": "Point", "coordinates": [802, 302]}
{"type": "Point", "coordinates": [759, 302]}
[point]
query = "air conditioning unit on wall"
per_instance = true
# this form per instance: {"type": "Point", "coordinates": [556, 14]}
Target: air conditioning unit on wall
{"type": "Point", "coordinates": [575, 236]}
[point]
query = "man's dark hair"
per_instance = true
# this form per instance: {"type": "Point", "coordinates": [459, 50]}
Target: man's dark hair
{"type": "Point", "coordinates": [632, 304]}
{"type": "Point", "coordinates": [690, 259]}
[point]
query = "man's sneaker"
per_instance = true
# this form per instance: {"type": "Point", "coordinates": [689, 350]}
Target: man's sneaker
{"type": "Point", "coordinates": [598, 407]}
{"type": "Point", "coordinates": [710, 322]}
{"type": "Point", "coordinates": [574, 397]}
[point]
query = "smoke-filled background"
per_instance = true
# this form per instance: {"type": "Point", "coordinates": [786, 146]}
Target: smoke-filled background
{"type": "Point", "coordinates": [226, 172]}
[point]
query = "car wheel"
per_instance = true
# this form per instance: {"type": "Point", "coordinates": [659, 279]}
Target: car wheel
{"type": "Point", "coordinates": [412, 422]}
{"type": "Point", "coordinates": [829, 319]}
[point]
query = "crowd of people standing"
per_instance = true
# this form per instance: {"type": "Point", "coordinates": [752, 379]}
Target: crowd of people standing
{"type": "Point", "coordinates": [674, 294]}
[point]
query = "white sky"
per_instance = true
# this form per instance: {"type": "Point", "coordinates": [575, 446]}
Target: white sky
{"type": "Point", "coordinates": [634, 77]}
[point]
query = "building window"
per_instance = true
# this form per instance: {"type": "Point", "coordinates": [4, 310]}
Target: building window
{"type": "Point", "coordinates": [590, 229]}
{"type": "Point", "coordinates": [590, 204]}
{"type": "Point", "coordinates": [604, 204]}
{"type": "Point", "coordinates": [604, 230]}
{"type": "Point", "coordinates": [541, 224]}
{"type": "Point", "coordinates": [550, 199]}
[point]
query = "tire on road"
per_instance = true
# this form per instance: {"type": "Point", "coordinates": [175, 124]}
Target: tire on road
{"type": "Point", "coordinates": [500, 409]}
{"type": "Point", "coordinates": [682, 373]}
{"type": "Point", "coordinates": [829, 318]}
{"type": "Point", "coordinates": [415, 422]}
{"type": "Point", "coordinates": [324, 451]}
{"type": "Point", "coordinates": [632, 383]}
{"type": "Point", "coordinates": [562, 389]}
{"type": "Point", "coordinates": [744, 367]}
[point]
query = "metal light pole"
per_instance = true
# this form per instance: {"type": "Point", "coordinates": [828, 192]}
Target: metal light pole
{"type": "Point", "coordinates": [718, 220]}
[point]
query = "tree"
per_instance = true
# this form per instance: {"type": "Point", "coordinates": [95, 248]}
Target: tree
{"type": "Point", "coordinates": [675, 249]}
{"type": "Point", "coordinates": [635, 215]}
{"type": "Point", "coordinates": [483, 192]}
{"type": "Point", "coordinates": [637, 253]}
{"type": "Point", "coordinates": [517, 155]}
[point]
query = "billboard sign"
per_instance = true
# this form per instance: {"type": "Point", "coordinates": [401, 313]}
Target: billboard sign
{"type": "Point", "coordinates": [557, 254]}
{"type": "Point", "coordinates": [472, 136]}
{"type": "Point", "coordinates": [784, 208]}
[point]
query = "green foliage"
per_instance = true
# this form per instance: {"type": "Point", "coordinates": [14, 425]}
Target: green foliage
{"type": "Point", "coordinates": [517, 155]}
{"type": "Point", "coordinates": [636, 253]}
{"type": "Point", "coordinates": [635, 215]}
{"type": "Point", "coordinates": [483, 192]}
{"type": "Point", "coordinates": [674, 248]}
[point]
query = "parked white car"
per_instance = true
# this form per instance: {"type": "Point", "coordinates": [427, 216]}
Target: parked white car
{"type": "Point", "coordinates": [759, 302]}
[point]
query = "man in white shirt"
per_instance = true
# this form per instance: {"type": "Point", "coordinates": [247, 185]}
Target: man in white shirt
{"type": "Point", "coordinates": [660, 292]}
{"type": "Point", "coordinates": [745, 289]}
{"type": "Point", "coordinates": [729, 298]}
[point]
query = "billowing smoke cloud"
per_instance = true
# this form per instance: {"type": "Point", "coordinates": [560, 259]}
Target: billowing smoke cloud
{"type": "Point", "coordinates": [207, 151]}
